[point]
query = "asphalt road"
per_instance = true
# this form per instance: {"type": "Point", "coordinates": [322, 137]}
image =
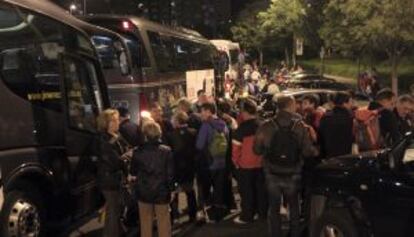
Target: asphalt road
{"type": "Point", "coordinates": [226, 228]}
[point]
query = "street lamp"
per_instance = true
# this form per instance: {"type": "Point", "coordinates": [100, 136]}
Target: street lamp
{"type": "Point", "coordinates": [72, 8]}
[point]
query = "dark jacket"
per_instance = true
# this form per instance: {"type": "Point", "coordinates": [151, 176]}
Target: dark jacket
{"type": "Point", "coordinates": [166, 128]}
{"type": "Point", "coordinates": [204, 138]}
{"type": "Point", "coordinates": [182, 141]}
{"type": "Point", "coordinates": [194, 121]}
{"type": "Point", "coordinates": [131, 133]}
{"type": "Point", "coordinates": [336, 132]}
{"type": "Point", "coordinates": [267, 130]}
{"type": "Point", "coordinates": [404, 124]}
{"type": "Point", "coordinates": [388, 124]}
{"type": "Point", "coordinates": [153, 166]}
{"type": "Point", "coordinates": [110, 166]}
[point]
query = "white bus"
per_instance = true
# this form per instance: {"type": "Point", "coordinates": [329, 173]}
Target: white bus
{"type": "Point", "coordinates": [231, 50]}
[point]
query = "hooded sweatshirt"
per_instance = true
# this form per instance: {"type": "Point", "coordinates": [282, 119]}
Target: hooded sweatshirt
{"type": "Point", "coordinates": [205, 137]}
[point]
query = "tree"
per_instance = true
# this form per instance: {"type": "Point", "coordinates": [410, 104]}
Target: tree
{"type": "Point", "coordinates": [248, 29]}
{"type": "Point", "coordinates": [384, 25]}
{"type": "Point", "coordinates": [285, 18]}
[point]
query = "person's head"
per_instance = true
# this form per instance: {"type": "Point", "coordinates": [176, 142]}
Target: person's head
{"type": "Point", "coordinates": [123, 113]}
{"type": "Point", "coordinates": [224, 106]}
{"type": "Point", "coordinates": [108, 121]}
{"type": "Point", "coordinates": [310, 102]}
{"type": "Point", "coordinates": [386, 98]}
{"type": "Point", "coordinates": [405, 105]}
{"type": "Point", "coordinates": [208, 110]}
{"type": "Point", "coordinates": [286, 103]}
{"type": "Point", "coordinates": [248, 109]}
{"type": "Point", "coordinates": [156, 111]}
{"type": "Point", "coordinates": [201, 96]}
{"type": "Point", "coordinates": [342, 99]}
{"type": "Point", "coordinates": [184, 105]}
{"type": "Point", "coordinates": [151, 131]}
{"type": "Point", "coordinates": [180, 118]}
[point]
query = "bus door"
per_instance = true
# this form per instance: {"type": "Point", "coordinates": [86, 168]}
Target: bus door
{"type": "Point", "coordinates": [83, 101]}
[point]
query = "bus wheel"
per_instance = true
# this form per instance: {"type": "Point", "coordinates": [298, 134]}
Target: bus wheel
{"type": "Point", "coordinates": [23, 215]}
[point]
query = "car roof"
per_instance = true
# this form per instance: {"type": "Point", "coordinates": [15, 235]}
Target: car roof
{"type": "Point", "coordinates": [296, 92]}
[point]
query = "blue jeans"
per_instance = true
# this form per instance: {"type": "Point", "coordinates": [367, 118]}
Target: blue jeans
{"type": "Point", "coordinates": [287, 187]}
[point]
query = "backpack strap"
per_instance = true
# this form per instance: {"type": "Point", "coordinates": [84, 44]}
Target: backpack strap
{"type": "Point", "coordinates": [291, 126]}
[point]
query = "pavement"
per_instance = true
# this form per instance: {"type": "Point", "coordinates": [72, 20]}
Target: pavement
{"type": "Point", "coordinates": [225, 228]}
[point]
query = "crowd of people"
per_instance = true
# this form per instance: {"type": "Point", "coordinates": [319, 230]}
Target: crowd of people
{"type": "Point", "coordinates": [208, 143]}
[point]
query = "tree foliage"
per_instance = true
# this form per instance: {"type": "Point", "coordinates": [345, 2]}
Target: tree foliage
{"type": "Point", "coordinates": [384, 25]}
{"type": "Point", "coordinates": [248, 29]}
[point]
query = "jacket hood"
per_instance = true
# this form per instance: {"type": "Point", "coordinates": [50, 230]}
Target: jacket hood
{"type": "Point", "coordinates": [218, 124]}
{"type": "Point", "coordinates": [374, 105]}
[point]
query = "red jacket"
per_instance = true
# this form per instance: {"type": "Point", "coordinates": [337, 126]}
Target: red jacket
{"type": "Point", "coordinates": [243, 138]}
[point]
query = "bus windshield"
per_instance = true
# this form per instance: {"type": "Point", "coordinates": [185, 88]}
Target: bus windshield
{"type": "Point", "coordinates": [112, 55]}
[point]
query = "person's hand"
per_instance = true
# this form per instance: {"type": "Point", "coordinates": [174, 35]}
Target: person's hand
{"type": "Point", "coordinates": [132, 179]}
{"type": "Point", "coordinates": [172, 197]}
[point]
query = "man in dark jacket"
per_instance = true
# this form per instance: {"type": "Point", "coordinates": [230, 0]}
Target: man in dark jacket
{"type": "Point", "coordinates": [129, 130]}
{"type": "Point", "coordinates": [283, 180]}
{"type": "Point", "coordinates": [385, 103]}
{"type": "Point", "coordinates": [194, 120]}
{"type": "Point", "coordinates": [336, 128]}
{"type": "Point", "coordinates": [403, 109]}
{"type": "Point", "coordinates": [211, 168]}
{"type": "Point", "coordinates": [182, 141]}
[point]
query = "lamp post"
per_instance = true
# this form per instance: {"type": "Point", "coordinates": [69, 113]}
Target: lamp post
{"type": "Point", "coordinates": [72, 8]}
{"type": "Point", "coordinates": [84, 7]}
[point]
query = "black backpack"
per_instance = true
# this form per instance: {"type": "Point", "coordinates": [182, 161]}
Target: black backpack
{"type": "Point", "coordinates": [284, 153]}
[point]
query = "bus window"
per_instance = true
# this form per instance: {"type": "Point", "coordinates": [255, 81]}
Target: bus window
{"type": "Point", "coordinates": [138, 53]}
{"type": "Point", "coordinates": [182, 50]}
{"type": "Point", "coordinates": [112, 56]}
{"type": "Point", "coordinates": [81, 97]}
{"type": "Point", "coordinates": [161, 52]}
{"type": "Point", "coordinates": [203, 56]}
{"type": "Point", "coordinates": [29, 50]}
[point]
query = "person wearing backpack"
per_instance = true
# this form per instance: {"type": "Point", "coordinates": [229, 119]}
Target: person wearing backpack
{"type": "Point", "coordinates": [212, 143]}
{"type": "Point", "coordinates": [284, 142]}
{"type": "Point", "coordinates": [384, 105]}
{"type": "Point", "coordinates": [249, 166]}
{"type": "Point", "coordinates": [336, 128]}
{"type": "Point", "coordinates": [182, 142]}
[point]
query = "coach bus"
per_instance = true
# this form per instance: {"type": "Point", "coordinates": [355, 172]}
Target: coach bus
{"type": "Point", "coordinates": [230, 53]}
{"type": "Point", "coordinates": [167, 63]}
{"type": "Point", "coordinates": [51, 90]}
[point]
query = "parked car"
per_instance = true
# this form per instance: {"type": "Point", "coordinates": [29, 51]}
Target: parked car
{"type": "Point", "coordinates": [369, 194]}
{"type": "Point", "coordinates": [314, 83]}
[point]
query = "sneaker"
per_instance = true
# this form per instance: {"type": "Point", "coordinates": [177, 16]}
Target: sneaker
{"type": "Point", "coordinates": [201, 216]}
{"type": "Point", "coordinates": [239, 221]}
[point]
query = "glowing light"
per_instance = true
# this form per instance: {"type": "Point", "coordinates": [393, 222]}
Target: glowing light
{"type": "Point", "coordinates": [145, 114]}
{"type": "Point", "coordinates": [126, 25]}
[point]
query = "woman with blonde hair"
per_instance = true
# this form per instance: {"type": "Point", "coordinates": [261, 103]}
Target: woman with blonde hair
{"type": "Point", "coordinates": [153, 169]}
{"type": "Point", "coordinates": [110, 170]}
